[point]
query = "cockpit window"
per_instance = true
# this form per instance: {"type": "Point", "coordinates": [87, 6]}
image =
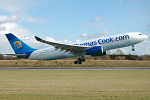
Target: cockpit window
{"type": "Point", "coordinates": [140, 34]}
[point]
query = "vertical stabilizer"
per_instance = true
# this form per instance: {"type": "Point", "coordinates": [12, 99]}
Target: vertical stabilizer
{"type": "Point", "coordinates": [19, 46]}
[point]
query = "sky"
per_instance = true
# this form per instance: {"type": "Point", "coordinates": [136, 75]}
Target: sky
{"type": "Point", "coordinates": [68, 21]}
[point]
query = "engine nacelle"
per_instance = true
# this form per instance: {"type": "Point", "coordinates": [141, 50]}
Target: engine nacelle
{"type": "Point", "coordinates": [95, 51]}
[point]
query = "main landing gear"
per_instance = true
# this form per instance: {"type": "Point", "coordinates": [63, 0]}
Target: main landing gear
{"type": "Point", "coordinates": [133, 48]}
{"type": "Point", "coordinates": [79, 60]}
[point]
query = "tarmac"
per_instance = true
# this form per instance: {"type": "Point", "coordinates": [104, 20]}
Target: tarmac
{"type": "Point", "coordinates": [5, 68]}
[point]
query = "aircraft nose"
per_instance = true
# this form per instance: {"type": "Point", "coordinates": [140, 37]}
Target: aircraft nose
{"type": "Point", "coordinates": [145, 37]}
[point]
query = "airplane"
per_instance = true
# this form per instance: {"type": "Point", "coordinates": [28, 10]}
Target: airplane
{"type": "Point", "coordinates": [93, 47]}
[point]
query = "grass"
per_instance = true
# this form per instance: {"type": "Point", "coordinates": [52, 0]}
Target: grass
{"type": "Point", "coordinates": [70, 63]}
{"type": "Point", "coordinates": [75, 85]}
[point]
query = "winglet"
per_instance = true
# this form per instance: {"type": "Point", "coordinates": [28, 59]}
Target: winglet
{"type": "Point", "coordinates": [37, 38]}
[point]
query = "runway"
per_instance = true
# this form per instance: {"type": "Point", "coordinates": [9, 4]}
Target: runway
{"type": "Point", "coordinates": [74, 68]}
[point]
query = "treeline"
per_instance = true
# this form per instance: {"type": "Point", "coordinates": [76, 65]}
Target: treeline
{"type": "Point", "coordinates": [106, 57]}
{"type": "Point", "coordinates": [122, 57]}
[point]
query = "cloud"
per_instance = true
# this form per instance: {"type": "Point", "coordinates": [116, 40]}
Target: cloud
{"type": "Point", "coordinates": [32, 19]}
{"type": "Point", "coordinates": [78, 40]}
{"type": "Point", "coordinates": [10, 24]}
{"type": "Point", "coordinates": [28, 18]}
{"type": "Point", "coordinates": [84, 35]}
{"type": "Point", "coordinates": [118, 51]}
{"type": "Point", "coordinates": [148, 25]}
{"type": "Point", "coordinates": [98, 19]}
{"type": "Point", "coordinates": [7, 19]}
{"type": "Point", "coordinates": [120, 1]}
{"type": "Point", "coordinates": [147, 42]}
{"type": "Point", "coordinates": [50, 39]}
{"type": "Point", "coordinates": [92, 27]}
{"type": "Point", "coordinates": [95, 35]}
{"type": "Point", "coordinates": [24, 37]}
{"type": "Point", "coordinates": [11, 5]}
{"type": "Point", "coordinates": [14, 28]}
{"type": "Point", "coordinates": [17, 8]}
{"type": "Point", "coordinates": [141, 9]}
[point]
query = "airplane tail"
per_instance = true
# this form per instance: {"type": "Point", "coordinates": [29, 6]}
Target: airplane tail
{"type": "Point", "coordinates": [19, 46]}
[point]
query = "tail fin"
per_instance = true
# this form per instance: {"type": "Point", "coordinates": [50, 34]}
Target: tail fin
{"type": "Point", "coordinates": [19, 46]}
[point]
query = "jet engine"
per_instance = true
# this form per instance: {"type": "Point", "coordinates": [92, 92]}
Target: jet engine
{"type": "Point", "coordinates": [95, 51]}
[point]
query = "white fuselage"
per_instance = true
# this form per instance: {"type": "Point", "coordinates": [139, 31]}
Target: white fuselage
{"type": "Point", "coordinates": [107, 43]}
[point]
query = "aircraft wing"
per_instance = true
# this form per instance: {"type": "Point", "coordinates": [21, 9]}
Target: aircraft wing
{"type": "Point", "coordinates": [68, 48]}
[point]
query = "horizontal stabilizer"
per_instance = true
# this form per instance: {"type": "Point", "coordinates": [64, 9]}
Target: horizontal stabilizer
{"type": "Point", "coordinates": [18, 55]}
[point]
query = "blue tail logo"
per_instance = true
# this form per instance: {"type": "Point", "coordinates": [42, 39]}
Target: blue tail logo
{"type": "Point", "coordinates": [17, 45]}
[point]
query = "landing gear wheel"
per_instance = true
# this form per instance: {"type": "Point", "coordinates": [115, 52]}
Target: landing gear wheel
{"type": "Point", "coordinates": [75, 62]}
{"type": "Point", "coordinates": [80, 62]}
{"type": "Point", "coordinates": [133, 48]}
{"type": "Point", "coordinates": [83, 59]}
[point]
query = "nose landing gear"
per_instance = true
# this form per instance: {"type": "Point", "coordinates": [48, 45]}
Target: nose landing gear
{"type": "Point", "coordinates": [133, 48]}
{"type": "Point", "coordinates": [79, 60]}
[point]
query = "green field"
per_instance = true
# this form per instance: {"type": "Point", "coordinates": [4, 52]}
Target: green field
{"type": "Point", "coordinates": [75, 85]}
